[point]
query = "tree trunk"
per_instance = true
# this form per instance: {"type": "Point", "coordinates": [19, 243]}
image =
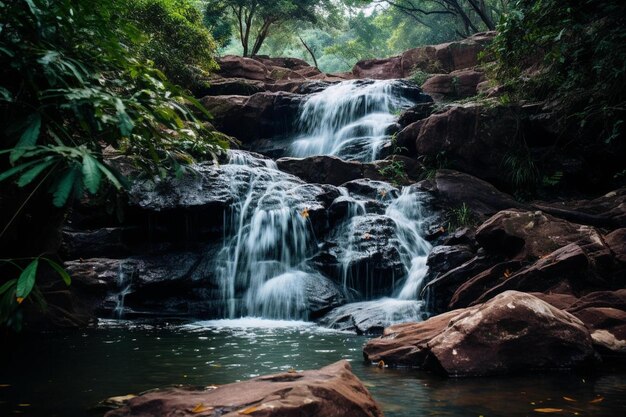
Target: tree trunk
{"type": "Point", "coordinates": [310, 51]}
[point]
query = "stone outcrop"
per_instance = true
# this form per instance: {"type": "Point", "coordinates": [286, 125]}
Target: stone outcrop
{"type": "Point", "coordinates": [442, 58]}
{"type": "Point", "coordinates": [328, 392]}
{"type": "Point", "coordinates": [455, 85]}
{"type": "Point", "coordinates": [512, 333]}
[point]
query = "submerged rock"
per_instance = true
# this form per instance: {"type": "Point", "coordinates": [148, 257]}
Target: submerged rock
{"type": "Point", "coordinates": [512, 333]}
{"type": "Point", "coordinates": [328, 392]}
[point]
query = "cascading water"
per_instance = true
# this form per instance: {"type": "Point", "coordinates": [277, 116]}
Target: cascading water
{"type": "Point", "coordinates": [265, 267]}
{"type": "Point", "coordinates": [349, 119]}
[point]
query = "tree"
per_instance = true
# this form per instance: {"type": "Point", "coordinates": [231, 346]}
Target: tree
{"type": "Point", "coordinates": [254, 19]}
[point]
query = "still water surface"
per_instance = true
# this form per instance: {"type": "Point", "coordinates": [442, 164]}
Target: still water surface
{"type": "Point", "coordinates": [65, 375]}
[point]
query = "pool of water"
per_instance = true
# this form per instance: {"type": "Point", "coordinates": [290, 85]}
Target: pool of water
{"type": "Point", "coordinates": [67, 374]}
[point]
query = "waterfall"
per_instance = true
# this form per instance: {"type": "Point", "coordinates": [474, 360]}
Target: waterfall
{"type": "Point", "coordinates": [349, 119]}
{"type": "Point", "coordinates": [266, 267]}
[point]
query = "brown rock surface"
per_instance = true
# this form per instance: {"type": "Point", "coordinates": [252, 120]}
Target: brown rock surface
{"type": "Point", "coordinates": [457, 84]}
{"type": "Point", "coordinates": [332, 391]}
{"type": "Point", "coordinates": [512, 333]}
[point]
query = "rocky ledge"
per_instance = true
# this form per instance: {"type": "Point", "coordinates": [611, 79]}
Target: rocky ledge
{"type": "Point", "coordinates": [512, 333]}
{"type": "Point", "coordinates": [331, 391]}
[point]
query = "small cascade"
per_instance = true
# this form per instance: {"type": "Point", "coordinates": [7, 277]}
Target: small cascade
{"type": "Point", "coordinates": [124, 283]}
{"type": "Point", "coordinates": [350, 119]}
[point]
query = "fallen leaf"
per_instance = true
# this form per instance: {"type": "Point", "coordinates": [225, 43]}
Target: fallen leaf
{"type": "Point", "coordinates": [291, 371]}
{"type": "Point", "coordinates": [507, 273]}
{"type": "Point", "coordinates": [382, 192]}
{"type": "Point", "coordinates": [367, 236]}
{"type": "Point", "coordinates": [381, 364]}
{"type": "Point", "coordinates": [20, 300]}
{"type": "Point", "coordinates": [250, 410]}
{"type": "Point", "coordinates": [597, 400]}
{"type": "Point", "coordinates": [548, 410]}
{"type": "Point", "coordinates": [200, 408]}
{"type": "Point", "coordinates": [569, 399]}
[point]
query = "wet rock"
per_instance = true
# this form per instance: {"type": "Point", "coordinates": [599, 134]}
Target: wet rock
{"type": "Point", "coordinates": [416, 113]}
{"type": "Point", "coordinates": [372, 317]}
{"type": "Point", "coordinates": [512, 333]}
{"type": "Point", "coordinates": [444, 258]}
{"type": "Point", "coordinates": [457, 84]}
{"type": "Point", "coordinates": [616, 241]}
{"type": "Point", "coordinates": [231, 86]}
{"type": "Point", "coordinates": [452, 189]}
{"type": "Point", "coordinates": [108, 241]}
{"type": "Point", "coordinates": [261, 115]}
{"type": "Point", "coordinates": [368, 255]}
{"type": "Point", "coordinates": [371, 189]}
{"type": "Point", "coordinates": [322, 169]}
{"type": "Point", "coordinates": [330, 391]}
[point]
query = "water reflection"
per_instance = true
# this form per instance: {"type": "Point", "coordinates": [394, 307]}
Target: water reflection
{"type": "Point", "coordinates": [64, 375]}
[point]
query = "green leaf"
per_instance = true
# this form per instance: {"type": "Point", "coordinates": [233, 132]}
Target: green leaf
{"type": "Point", "coordinates": [10, 172]}
{"type": "Point", "coordinates": [110, 176]}
{"type": "Point", "coordinates": [7, 285]}
{"type": "Point", "coordinates": [28, 138]}
{"type": "Point", "coordinates": [33, 173]}
{"type": "Point", "coordinates": [5, 95]}
{"type": "Point", "coordinates": [26, 281]}
{"type": "Point", "coordinates": [91, 174]}
{"type": "Point", "coordinates": [64, 187]}
{"type": "Point", "coordinates": [60, 270]}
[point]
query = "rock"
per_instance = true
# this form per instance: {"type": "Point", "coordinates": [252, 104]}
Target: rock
{"type": "Point", "coordinates": [444, 258]}
{"type": "Point", "coordinates": [472, 138]}
{"type": "Point", "coordinates": [452, 189]}
{"type": "Point", "coordinates": [446, 57]}
{"type": "Point", "coordinates": [527, 234]}
{"type": "Point", "coordinates": [512, 333]}
{"type": "Point", "coordinates": [330, 391]}
{"type": "Point", "coordinates": [293, 64]}
{"type": "Point", "coordinates": [322, 169]}
{"type": "Point", "coordinates": [107, 241]}
{"type": "Point", "coordinates": [262, 115]}
{"type": "Point", "coordinates": [607, 211]}
{"type": "Point", "coordinates": [616, 241]}
{"type": "Point", "coordinates": [457, 84]}
{"type": "Point", "coordinates": [231, 86]}
{"type": "Point", "coordinates": [372, 317]}
{"type": "Point", "coordinates": [232, 66]}
{"type": "Point", "coordinates": [416, 113]}
{"type": "Point", "coordinates": [371, 189]}
{"type": "Point", "coordinates": [379, 69]}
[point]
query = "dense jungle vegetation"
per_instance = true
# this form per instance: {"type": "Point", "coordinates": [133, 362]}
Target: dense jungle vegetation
{"type": "Point", "coordinates": [81, 81]}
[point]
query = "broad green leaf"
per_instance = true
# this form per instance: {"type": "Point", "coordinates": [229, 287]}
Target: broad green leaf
{"type": "Point", "coordinates": [5, 95]}
{"type": "Point", "coordinates": [110, 176]}
{"type": "Point", "coordinates": [28, 138]}
{"type": "Point", "coordinates": [64, 187]}
{"type": "Point", "coordinates": [60, 270]}
{"type": "Point", "coordinates": [26, 281]}
{"type": "Point", "coordinates": [7, 285]}
{"type": "Point", "coordinates": [124, 121]}
{"type": "Point", "coordinates": [91, 174]}
{"type": "Point", "coordinates": [10, 172]}
{"type": "Point", "coordinates": [32, 173]}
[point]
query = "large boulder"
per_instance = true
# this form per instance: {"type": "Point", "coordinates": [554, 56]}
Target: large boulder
{"type": "Point", "coordinates": [232, 66]}
{"type": "Point", "coordinates": [457, 84]}
{"type": "Point", "coordinates": [446, 57]}
{"type": "Point", "coordinates": [328, 392]}
{"type": "Point", "coordinates": [262, 115]}
{"type": "Point", "coordinates": [379, 69]}
{"type": "Point", "coordinates": [512, 333]}
{"type": "Point", "coordinates": [452, 189]}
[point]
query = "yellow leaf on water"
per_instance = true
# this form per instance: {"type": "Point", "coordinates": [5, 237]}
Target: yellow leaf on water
{"type": "Point", "coordinates": [597, 400]}
{"type": "Point", "coordinates": [569, 399]}
{"type": "Point", "coordinates": [200, 408]}
{"type": "Point", "coordinates": [548, 410]}
{"type": "Point", "coordinates": [249, 410]}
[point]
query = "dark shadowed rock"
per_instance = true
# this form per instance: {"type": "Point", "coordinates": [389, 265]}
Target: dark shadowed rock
{"type": "Point", "coordinates": [416, 113]}
{"type": "Point", "coordinates": [323, 169]}
{"type": "Point", "coordinates": [329, 392]}
{"type": "Point", "coordinates": [444, 258]}
{"type": "Point", "coordinates": [512, 333]}
{"type": "Point", "coordinates": [457, 84]}
{"type": "Point", "coordinates": [452, 189]}
{"type": "Point", "coordinates": [616, 241]}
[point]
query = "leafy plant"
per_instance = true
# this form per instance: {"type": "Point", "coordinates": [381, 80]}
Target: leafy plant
{"type": "Point", "coordinates": [419, 77]}
{"type": "Point", "coordinates": [15, 291]}
{"type": "Point", "coordinates": [394, 171]}
{"type": "Point", "coordinates": [520, 169]}
{"type": "Point", "coordinates": [461, 216]}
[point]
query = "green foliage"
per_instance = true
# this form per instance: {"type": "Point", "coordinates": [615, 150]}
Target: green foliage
{"type": "Point", "coordinates": [176, 39]}
{"type": "Point", "coordinates": [520, 170]}
{"type": "Point", "coordinates": [461, 216]}
{"type": "Point", "coordinates": [419, 77]}
{"type": "Point", "coordinates": [574, 54]}
{"type": "Point", "coordinates": [72, 85]}
{"type": "Point", "coordinates": [395, 172]}
{"type": "Point", "coordinates": [15, 291]}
